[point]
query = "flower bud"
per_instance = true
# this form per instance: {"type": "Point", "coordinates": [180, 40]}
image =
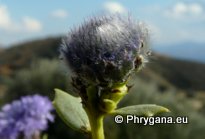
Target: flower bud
{"type": "Point", "coordinates": [105, 50]}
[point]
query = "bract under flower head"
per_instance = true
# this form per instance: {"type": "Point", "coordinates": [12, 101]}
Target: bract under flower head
{"type": "Point", "coordinates": [106, 49]}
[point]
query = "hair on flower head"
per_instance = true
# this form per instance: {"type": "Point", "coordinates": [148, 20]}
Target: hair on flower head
{"type": "Point", "coordinates": [106, 49]}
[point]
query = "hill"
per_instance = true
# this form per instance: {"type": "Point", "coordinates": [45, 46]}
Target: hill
{"type": "Point", "coordinates": [21, 55]}
{"type": "Point", "coordinates": [1, 48]}
{"type": "Point", "coordinates": [164, 70]}
{"type": "Point", "coordinates": [187, 50]}
{"type": "Point", "coordinates": [186, 75]}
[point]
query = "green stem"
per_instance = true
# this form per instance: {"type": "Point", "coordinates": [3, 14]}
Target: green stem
{"type": "Point", "coordinates": [94, 114]}
{"type": "Point", "coordinates": [96, 123]}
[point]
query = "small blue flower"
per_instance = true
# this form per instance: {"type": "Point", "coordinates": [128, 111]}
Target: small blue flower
{"type": "Point", "coordinates": [105, 50]}
{"type": "Point", "coordinates": [26, 116]}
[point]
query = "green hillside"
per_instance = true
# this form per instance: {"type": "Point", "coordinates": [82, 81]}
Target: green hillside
{"type": "Point", "coordinates": [185, 75]}
{"type": "Point", "coordinates": [21, 55]}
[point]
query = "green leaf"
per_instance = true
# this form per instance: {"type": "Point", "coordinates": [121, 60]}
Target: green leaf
{"type": "Point", "coordinates": [141, 110]}
{"type": "Point", "coordinates": [70, 110]}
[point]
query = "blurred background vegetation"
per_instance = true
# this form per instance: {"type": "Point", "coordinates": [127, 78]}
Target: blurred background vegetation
{"type": "Point", "coordinates": [34, 67]}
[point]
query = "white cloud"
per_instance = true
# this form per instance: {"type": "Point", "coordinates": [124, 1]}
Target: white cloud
{"type": "Point", "coordinates": [155, 32]}
{"type": "Point", "coordinates": [31, 25]}
{"type": "Point", "coordinates": [5, 17]}
{"type": "Point", "coordinates": [163, 35]}
{"type": "Point", "coordinates": [114, 7]}
{"type": "Point", "coordinates": [196, 9]}
{"type": "Point", "coordinates": [27, 24]}
{"type": "Point", "coordinates": [185, 10]}
{"type": "Point", "coordinates": [179, 22]}
{"type": "Point", "coordinates": [60, 13]}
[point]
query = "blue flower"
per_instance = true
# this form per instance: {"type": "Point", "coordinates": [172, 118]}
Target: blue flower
{"type": "Point", "coordinates": [26, 116]}
{"type": "Point", "coordinates": [105, 50]}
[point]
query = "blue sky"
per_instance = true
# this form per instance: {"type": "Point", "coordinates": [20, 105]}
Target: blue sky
{"type": "Point", "coordinates": [170, 21]}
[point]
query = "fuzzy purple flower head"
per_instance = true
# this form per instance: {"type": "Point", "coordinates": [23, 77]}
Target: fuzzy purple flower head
{"type": "Point", "coordinates": [26, 116]}
{"type": "Point", "coordinates": [105, 50]}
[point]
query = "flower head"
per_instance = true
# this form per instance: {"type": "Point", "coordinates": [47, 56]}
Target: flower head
{"type": "Point", "coordinates": [105, 50]}
{"type": "Point", "coordinates": [28, 115]}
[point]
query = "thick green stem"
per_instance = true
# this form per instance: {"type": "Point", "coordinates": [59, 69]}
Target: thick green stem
{"type": "Point", "coordinates": [96, 123]}
{"type": "Point", "coordinates": [94, 114]}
